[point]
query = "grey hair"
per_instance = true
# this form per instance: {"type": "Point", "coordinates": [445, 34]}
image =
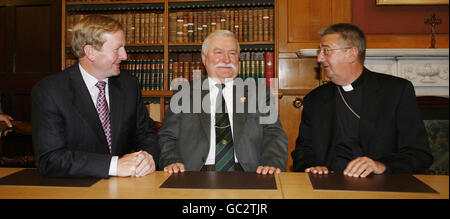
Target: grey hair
{"type": "Point", "coordinates": [350, 34]}
{"type": "Point", "coordinates": [219, 33]}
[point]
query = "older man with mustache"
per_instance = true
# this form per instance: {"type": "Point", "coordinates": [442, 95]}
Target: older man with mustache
{"type": "Point", "coordinates": [221, 138]}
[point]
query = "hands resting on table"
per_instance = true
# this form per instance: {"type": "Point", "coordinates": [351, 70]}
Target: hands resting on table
{"type": "Point", "coordinates": [359, 167]}
{"type": "Point", "coordinates": [136, 164]}
{"type": "Point", "coordinates": [8, 121]}
{"type": "Point", "coordinates": [179, 167]}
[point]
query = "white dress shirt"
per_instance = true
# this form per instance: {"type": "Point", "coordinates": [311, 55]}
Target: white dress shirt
{"type": "Point", "coordinates": [90, 82]}
{"type": "Point", "coordinates": [228, 95]}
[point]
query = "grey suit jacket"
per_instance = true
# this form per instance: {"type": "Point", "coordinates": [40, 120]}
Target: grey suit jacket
{"type": "Point", "coordinates": [68, 137]}
{"type": "Point", "coordinates": [185, 137]}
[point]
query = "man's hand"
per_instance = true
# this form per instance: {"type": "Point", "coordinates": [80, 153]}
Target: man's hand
{"type": "Point", "coordinates": [264, 170]}
{"type": "Point", "coordinates": [7, 119]}
{"type": "Point", "coordinates": [363, 166]}
{"type": "Point", "coordinates": [144, 164]}
{"type": "Point", "coordinates": [317, 170]}
{"type": "Point", "coordinates": [135, 164]}
{"type": "Point", "coordinates": [174, 168]}
{"type": "Point", "coordinates": [126, 165]}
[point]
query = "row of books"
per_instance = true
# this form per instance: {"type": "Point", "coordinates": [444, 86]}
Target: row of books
{"type": "Point", "coordinates": [256, 65]}
{"type": "Point", "coordinates": [139, 27]}
{"type": "Point", "coordinates": [249, 25]}
{"type": "Point", "coordinates": [150, 72]}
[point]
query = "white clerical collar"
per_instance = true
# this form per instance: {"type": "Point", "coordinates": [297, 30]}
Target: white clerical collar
{"type": "Point", "coordinates": [347, 88]}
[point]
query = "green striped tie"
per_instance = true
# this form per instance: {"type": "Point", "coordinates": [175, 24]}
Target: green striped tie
{"type": "Point", "coordinates": [224, 138]}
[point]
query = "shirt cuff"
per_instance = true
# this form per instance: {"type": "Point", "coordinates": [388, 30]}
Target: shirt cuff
{"type": "Point", "coordinates": [113, 166]}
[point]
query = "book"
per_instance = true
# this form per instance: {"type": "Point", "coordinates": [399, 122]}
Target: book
{"type": "Point", "coordinates": [269, 68]}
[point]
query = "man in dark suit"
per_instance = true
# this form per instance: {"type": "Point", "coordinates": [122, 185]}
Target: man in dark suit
{"type": "Point", "coordinates": [87, 116]}
{"type": "Point", "coordinates": [216, 131]}
{"type": "Point", "coordinates": [361, 122]}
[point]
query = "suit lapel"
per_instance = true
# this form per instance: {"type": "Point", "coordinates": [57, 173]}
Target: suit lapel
{"type": "Point", "coordinates": [328, 113]}
{"type": "Point", "coordinates": [239, 118]}
{"type": "Point", "coordinates": [205, 117]}
{"type": "Point", "coordinates": [116, 107]}
{"type": "Point", "coordinates": [370, 106]}
{"type": "Point", "coordinates": [83, 104]}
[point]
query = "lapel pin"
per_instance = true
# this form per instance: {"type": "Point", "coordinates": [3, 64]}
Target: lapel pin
{"type": "Point", "coordinates": [243, 99]}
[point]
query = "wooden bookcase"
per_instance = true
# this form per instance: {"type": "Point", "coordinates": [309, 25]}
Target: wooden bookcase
{"type": "Point", "coordinates": [170, 50]}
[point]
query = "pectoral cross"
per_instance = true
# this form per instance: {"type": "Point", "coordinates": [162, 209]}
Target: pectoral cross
{"type": "Point", "coordinates": [433, 21]}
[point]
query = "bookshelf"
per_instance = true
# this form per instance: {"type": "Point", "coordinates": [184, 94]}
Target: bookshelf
{"type": "Point", "coordinates": [164, 38]}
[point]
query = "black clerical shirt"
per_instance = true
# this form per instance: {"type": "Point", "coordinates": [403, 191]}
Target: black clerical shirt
{"type": "Point", "coordinates": [347, 144]}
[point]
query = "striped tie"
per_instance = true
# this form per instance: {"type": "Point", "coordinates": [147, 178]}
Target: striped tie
{"type": "Point", "coordinates": [103, 112]}
{"type": "Point", "coordinates": [224, 138]}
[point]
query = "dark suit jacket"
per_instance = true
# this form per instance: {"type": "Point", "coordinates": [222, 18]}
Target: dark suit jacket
{"type": "Point", "coordinates": [391, 129]}
{"type": "Point", "coordinates": [68, 137]}
{"type": "Point", "coordinates": [185, 137]}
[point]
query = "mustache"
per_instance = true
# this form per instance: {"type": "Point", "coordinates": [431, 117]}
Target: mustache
{"type": "Point", "coordinates": [225, 65]}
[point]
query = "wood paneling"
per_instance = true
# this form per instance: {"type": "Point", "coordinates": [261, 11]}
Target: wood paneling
{"type": "Point", "coordinates": [305, 18]}
{"type": "Point", "coordinates": [32, 56]}
{"type": "Point", "coordinates": [5, 39]}
{"type": "Point", "coordinates": [29, 49]}
{"type": "Point", "coordinates": [298, 74]}
{"type": "Point", "coordinates": [2, 40]}
{"type": "Point", "coordinates": [290, 117]}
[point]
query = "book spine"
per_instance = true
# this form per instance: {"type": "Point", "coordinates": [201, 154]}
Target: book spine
{"type": "Point", "coordinates": [266, 24]}
{"type": "Point", "coordinates": [186, 73]}
{"type": "Point", "coordinates": [160, 28]}
{"type": "Point", "coordinates": [170, 76]}
{"type": "Point", "coordinates": [270, 73]}
{"type": "Point", "coordinates": [260, 25]}
{"type": "Point", "coordinates": [196, 38]}
{"type": "Point", "coordinates": [271, 25]}
{"type": "Point", "coordinates": [147, 28]}
{"type": "Point", "coordinates": [180, 22]}
{"type": "Point", "coordinates": [153, 75]}
{"type": "Point", "coordinates": [161, 74]}
{"type": "Point", "coordinates": [173, 27]}
{"type": "Point", "coordinates": [137, 21]}
{"type": "Point", "coordinates": [190, 30]}
{"type": "Point", "coordinates": [147, 74]}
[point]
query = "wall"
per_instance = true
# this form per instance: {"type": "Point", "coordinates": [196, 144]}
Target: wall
{"type": "Point", "coordinates": [396, 19]}
{"type": "Point", "coordinates": [400, 26]}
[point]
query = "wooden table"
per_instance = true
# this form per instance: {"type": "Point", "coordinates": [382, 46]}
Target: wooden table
{"type": "Point", "coordinates": [298, 186]}
{"type": "Point", "coordinates": [146, 187]}
{"type": "Point", "coordinates": [290, 186]}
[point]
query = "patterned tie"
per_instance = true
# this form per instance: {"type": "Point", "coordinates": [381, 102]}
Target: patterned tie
{"type": "Point", "coordinates": [103, 112]}
{"type": "Point", "coordinates": [224, 138]}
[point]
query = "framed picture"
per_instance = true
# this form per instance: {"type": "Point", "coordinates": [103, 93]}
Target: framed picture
{"type": "Point", "coordinates": [412, 2]}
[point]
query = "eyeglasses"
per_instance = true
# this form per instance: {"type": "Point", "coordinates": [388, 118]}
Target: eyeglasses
{"type": "Point", "coordinates": [327, 51]}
